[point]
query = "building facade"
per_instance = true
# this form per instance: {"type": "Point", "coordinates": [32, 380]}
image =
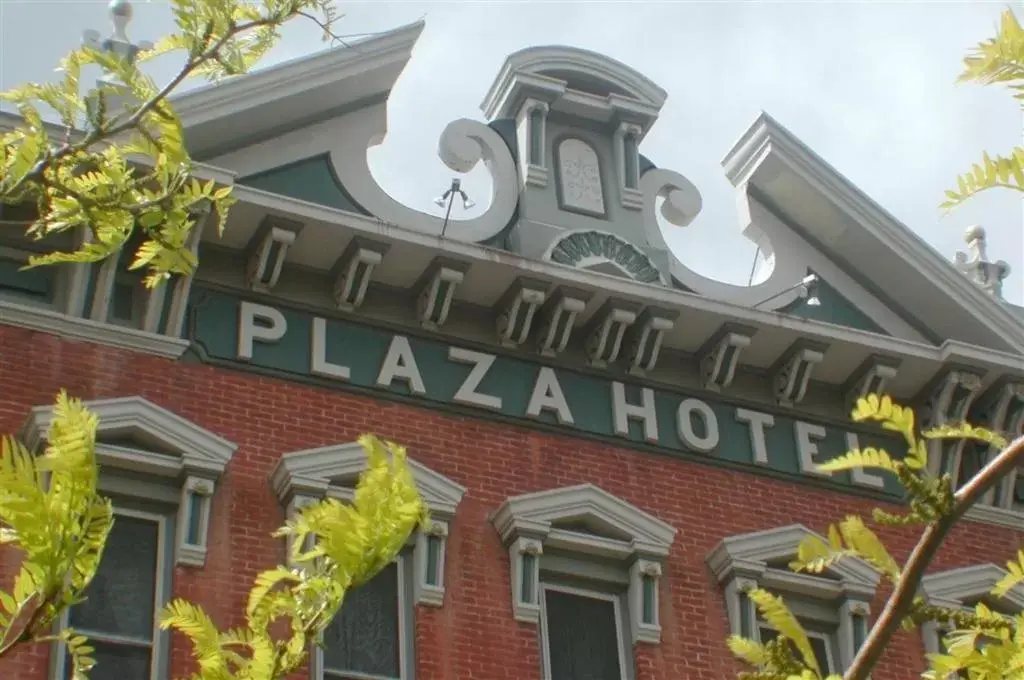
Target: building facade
{"type": "Point", "coordinates": [613, 447]}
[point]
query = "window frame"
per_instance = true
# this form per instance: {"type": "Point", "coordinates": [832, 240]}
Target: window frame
{"type": "Point", "coordinates": [624, 648]}
{"type": "Point", "coordinates": [193, 464]}
{"type": "Point", "coordinates": [406, 634]}
{"type": "Point", "coordinates": [159, 666]}
{"type": "Point", "coordinates": [741, 563]}
{"type": "Point", "coordinates": [528, 527]}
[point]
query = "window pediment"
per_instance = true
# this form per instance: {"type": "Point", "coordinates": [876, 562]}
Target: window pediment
{"type": "Point", "coordinates": [539, 515]}
{"type": "Point", "coordinates": [137, 424]}
{"type": "Point", "coordinates": [754, 554]}
{"type": "Point", "coordinates": [958, 587]}
{"type": "Point", "coordinates": [336, 468]}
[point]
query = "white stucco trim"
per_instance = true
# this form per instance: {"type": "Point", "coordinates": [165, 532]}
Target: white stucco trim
{"type": "Point", "coordinates": [196, 462]}
{"type": "Point", "coordinates": [741, 563]}
{"type": "Point", "coordinates": [527, 526]}
{"type": "Point", "coordinates": [659, 296]}
{"type": "Point", "coordinates": [302, 477]}
{"type": "Point", "coordinates": [767, 138]}
{"type": "Point", "coordinates": [76, 328]}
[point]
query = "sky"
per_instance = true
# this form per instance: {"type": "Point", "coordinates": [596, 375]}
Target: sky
{"type": "Point", "coordinates": [869, 86]}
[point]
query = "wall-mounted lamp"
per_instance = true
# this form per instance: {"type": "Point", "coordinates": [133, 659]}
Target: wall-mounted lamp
{"type": "Point", "coordinates": [808, 288]}
{"type": "Point", "coordinates": [446, 200]}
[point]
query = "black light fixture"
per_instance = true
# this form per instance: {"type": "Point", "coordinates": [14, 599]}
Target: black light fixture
{"type": "Point", "coordinates": [446, 200]}
{"type": "Point", "coordinates": [808, 287]}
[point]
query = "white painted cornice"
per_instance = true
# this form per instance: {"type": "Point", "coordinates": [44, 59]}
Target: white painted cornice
{"type": "Point", "coordinates": [954, 587]}
{"type": "Point", "coordinates": [323, 69]}
{"type": "Point", "coordinates": [766, 138]}
{"type": "Point", "coordinates": [201, 452]}
{"type": "Point", "coordinates": [533, 515]}
{"type": "Point", "coordinates": [87, 330]}
{"type": "Point", "coordinates": [750, 554]}
{"type": "Point", "coordinates": [311, 473]}
{"type": "Point", "coordinates": [659, 296]}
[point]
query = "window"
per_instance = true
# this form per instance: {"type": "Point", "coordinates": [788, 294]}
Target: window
{"type": "Point", "coordinates": [148, 458]}
{"type": "Point", "coordinates": [627, 157]}
{"type": "Point", "coordinates": [147, 453]}
{"type": "Point", "coordinates": [29, 286]}
{"type": "Point", "coordinates": [366, 638]}
{"type": "Point", "coordinates": [372, 636]}
{"type": "Point", "coordinates": [579, 554]}
{"type": "Point", "coordinates": [581, 632]}
{"type": "Point", "coordinates": [1001, 410]}
{"type": "Point", "coordinates": [119, 613]}
{"type": "Point", "coordinates": [963, 589]}
{"type": "Point", "coordinates": [832, 607]}
{"type": "Point", "coordinates": [531, 125]}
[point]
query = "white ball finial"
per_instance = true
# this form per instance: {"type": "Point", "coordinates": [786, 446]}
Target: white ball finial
{"type": "Point", "coordinates": [120, 9]}
{"type": "Point", "coordinates": [974, 232]}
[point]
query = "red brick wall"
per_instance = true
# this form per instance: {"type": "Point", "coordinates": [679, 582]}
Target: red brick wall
{"type": "Point", "coordinates": [474, 635]}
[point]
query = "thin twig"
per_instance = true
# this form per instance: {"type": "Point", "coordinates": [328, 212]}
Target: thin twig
{"type": "Point", "coordinates": [902, 598]}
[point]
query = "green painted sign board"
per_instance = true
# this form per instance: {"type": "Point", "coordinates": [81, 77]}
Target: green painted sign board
{"type": "Point", "coordinates": [297, 344]}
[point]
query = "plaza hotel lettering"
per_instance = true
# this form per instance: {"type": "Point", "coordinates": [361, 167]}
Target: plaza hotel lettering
{"type": "Point", "coordinates": [299, 343]}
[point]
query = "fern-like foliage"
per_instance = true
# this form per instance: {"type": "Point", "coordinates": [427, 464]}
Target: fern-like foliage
{"type": "Point", "coordinates": [351, 542]}
{"type": "Point", "coordinates": [51, 511]}
{"type": "Point", "coordinates": [997, 60]}
{"type": "Point", "coordinates": [983, 644]}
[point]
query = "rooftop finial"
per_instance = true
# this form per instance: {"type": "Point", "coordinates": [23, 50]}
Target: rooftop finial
{"type": "Point", "coordinates": [975, 265]}
{"type": "Point", "coordinates": [118, 43]}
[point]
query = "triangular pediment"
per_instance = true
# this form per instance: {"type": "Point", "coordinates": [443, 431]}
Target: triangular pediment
{"type": "Point", "coordinates": [136, 423]}
{"type": "Point", "coordinates": [968, 585]}
{"type": "Point", "coordinates": [868, 244]}
{"type": "Point", "coordinates": [771, 549]}
{"type": "Point", "coordinates": [583, 509]}
{"type": "Point", "coordinates": [315, 472]}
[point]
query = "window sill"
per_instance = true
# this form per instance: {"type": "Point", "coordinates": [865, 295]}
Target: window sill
{"type": "Point", "coordinates": [987, 514]}
{"type": "Point", "coordinates": [87, 330]}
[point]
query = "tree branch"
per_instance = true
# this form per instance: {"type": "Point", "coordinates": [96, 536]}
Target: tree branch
{"type": "Point", "coordinates": [902, 598]}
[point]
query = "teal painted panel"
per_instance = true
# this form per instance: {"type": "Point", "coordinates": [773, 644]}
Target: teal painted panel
{"type": "Point", "coordinates": [215, 330]}
{"type": "Point", "coordinates": [311, 179]}
{"type": "Point", "coordinates": [835, 309]}
{"type": "Point", "coordinates": [30, 285]}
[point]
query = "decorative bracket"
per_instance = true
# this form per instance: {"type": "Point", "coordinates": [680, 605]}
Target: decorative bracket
{"type": "Point", "coordinates": [644, 577]}
{"type": "Point", "coordinates": [559, 315]}
{"type": "Point", "coordinates": [272, 240]}
{"type": "Point", "coordinates": [720, 355]}
{"type": "Point", "coordinates": [354, 271]}
{"type": "Point", "coordinates": [643, 343]}
{"type": "Point", "coordinates": [792, 373]}
{"type": "Point", "coordinates": [870, 378]}
{"type": "Point", "coordinates": [194, 518]}
{"type": "Point", "coordinates": [608, 328]}
{"type": "Point", "coordinates": [517, 309]}
{"type": "Point", "coordinates": [951, 396]}
{"type": "Point", "coordinates": [437, 290]}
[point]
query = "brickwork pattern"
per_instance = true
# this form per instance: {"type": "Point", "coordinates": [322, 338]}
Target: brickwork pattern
{"type": "Point", "coordinates": [474, 635]}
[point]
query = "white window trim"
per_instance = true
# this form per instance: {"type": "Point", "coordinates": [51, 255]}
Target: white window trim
{"type": "Point", "coordinates": [533, 174]}
{"type": "Point", "coordinates": [951, 589]}
{"type": "Point", "coordinates": [631, 198]}
{"type": "Point", "coordinates": [158, 658]}
{"type": "Point", "coordinates": [198, 464]}
{"type": "Point", "coordinates": [545, 654]}
{"type": "Point", "coordinates": [740, 563]}
{"type": "Point", "coordinates": [303, 477]}
{"type": "Point", "coordinates": [526, 525]}
{"type": "Point", "coordinates": [316, 657]}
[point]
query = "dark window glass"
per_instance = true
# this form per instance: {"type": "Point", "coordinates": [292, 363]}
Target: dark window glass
{"type": "Point", "coordinates": [818, 644]}
{"type": "Point", "coordinates": [583, 639]}
{"type": "Point", "coordinates": [363, 638]}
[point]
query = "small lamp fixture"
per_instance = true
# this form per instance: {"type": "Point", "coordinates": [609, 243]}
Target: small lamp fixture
{"type": "Point", "coordinates": [808, 291]}
{"type": "Point", "coordinates": [446, 200]}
